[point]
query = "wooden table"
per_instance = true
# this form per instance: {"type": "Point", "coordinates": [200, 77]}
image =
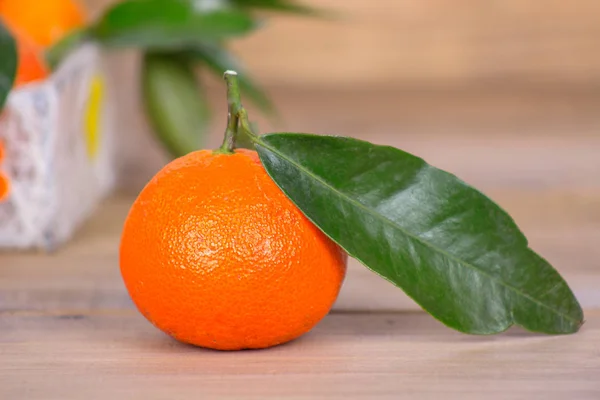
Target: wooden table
{"type": "Point", "coordinates": [69, 330]}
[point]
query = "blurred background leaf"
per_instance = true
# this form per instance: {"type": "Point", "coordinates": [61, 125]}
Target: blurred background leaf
{"type": "Point", "coordinates": [175, 103]}
{"type": "Point", "coordinates": [277, 5]}
{"type": "Point", "coordinates": [8, 63]}
{"type": "Point", "coordinates": [152, 24]}
{"type": "Point", "coordinates": [176, 38]}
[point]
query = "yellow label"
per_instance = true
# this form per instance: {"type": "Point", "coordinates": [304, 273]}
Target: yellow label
{"type": "Point", "coordinates": [93, 116]}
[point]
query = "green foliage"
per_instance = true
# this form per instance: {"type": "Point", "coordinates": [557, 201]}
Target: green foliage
{"type": "Point", "coordinates": [153, 24]}
{"type": "Point", "coordinates": [174, 102]}
{"type": "Point", "coordinates": [8, 63]}
{"type": "Point", "coordinates": [449, 247]}
{"type": "Point", "coordinates": [276, 5]}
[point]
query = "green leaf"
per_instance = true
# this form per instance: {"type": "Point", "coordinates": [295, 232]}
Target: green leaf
{"type": "Point", "coordinates": [276, 5]}
{"type": "Point", "coordinates": [8, 63]}
{"type": "Point", "coordinates": [160, 24]}
{"type": "Point", "coordinates": [219, 60]}
{"type": "Point", "coordinates": [175, 103]}
{"type": "Point", "coordinates": [61, 50]}
{"type": "Point", "coordinates": [449, 247]}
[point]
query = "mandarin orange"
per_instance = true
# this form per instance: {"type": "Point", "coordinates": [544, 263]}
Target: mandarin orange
{"type": "Point", "coordinates": [31, 65]}
{"type": "Point", "coordinates": [214, 254]}
{"type": "Point", "coordinates": [45, 21]}
{"type": "Point", "coordinates": [4, 186]}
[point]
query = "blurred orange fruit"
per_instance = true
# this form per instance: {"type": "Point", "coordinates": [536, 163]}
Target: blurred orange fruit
{"type": "Point", "coordinates": [214, 254]}
{"type": "Point", "coordinates": [45, 21]}
{"type": "Point", "coordinates": [31, 65]}
{"type": "Point", "coordinates": [4, 186]}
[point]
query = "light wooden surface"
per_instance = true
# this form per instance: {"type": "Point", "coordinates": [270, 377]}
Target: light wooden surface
{"type": "Point", "coordinates": [499, 137]}
{"type": "Point", "coordinates": [437, 42]}
{"type": "Point", "coordinates": [116, 354]}
{"type": "Point", "coordinates": [68, 329]}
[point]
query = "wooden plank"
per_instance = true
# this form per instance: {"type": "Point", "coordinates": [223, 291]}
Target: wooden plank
{"type": "Point", "coordinates": [117, 354]}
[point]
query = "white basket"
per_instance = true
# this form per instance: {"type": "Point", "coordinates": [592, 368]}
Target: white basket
{"type": "Point", "coordinates": [58, 136]}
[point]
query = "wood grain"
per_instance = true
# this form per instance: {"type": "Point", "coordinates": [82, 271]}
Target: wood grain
{"type": "Point", "coordinates": [117, 354]}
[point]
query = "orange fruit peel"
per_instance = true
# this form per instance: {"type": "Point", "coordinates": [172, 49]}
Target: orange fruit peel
{"type": "Point", "coordinates": [214, 254]}
{"type": "Point", "coordinates": [31, 66]}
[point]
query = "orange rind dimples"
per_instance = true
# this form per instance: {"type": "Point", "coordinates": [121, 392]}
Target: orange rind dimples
{"type": "Point", "coordinates": [214, 254]}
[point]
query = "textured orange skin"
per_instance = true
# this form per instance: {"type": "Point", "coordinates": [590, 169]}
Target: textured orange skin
{"type": "Point", "coordinates": [31, 66]}
{"type": "Point", "coordinates": [214, 254]}
{"type": "Point", "coordinates": [45, 21]}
